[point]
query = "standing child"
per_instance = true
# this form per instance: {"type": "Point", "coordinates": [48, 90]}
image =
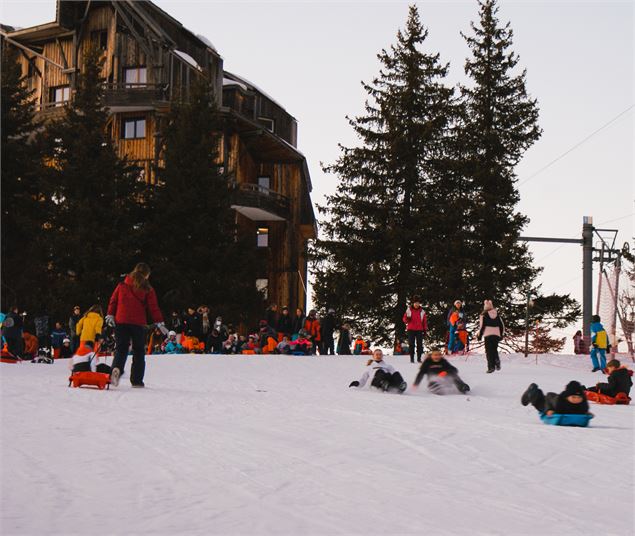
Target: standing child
{"type": "Point", "coordinates": [90, 325]}
{"type": "Point", "coordinates": [439, 370]}
{"type": "Point", "coordinates": [385, 377]}
{"type": "Point", "coordinates": [600, 343]}
{"type": "Point", "coordinates": [66, 351]}
{"type": "Point", "coordinates": [344, 340]}
{"type": "Point", "coordinates": [57, 339]}
{"type": "Point", "coordinates": [493, 330]}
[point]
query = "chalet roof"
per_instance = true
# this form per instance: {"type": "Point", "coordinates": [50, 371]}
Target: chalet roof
{"type": "Point", "coordinates": [253, 87]}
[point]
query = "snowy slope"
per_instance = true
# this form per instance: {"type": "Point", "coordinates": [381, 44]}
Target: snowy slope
{"type": "Point", "coordinates": [280, 445]}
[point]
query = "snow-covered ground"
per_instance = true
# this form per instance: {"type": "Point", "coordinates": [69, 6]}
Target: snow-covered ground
{"type": "Point", "coordinates": [280, 445]}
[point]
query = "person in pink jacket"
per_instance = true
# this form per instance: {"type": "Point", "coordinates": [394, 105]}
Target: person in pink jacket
{"type": "Point", "coordinates": [416, 326]}
{"type": "Point", "coordinates": [492, 329]}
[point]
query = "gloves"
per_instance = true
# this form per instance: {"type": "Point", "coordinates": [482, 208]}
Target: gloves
{"type": "Point", "coordinates": [161, 326]}
{"type": "Point", "coordinates": [110, 321]}
{"type": "Point", "coordinates": [354, 384]}
{"type": "Point", "coordinates": [408, 313]}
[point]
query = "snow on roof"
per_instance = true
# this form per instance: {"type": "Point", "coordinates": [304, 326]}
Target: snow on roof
{"type": "Point", "coordinates": [230, 82]}
{"type": "Point", "coordinates": [207, 42]}
{"type": "Point", "coordinates": [254, 86]}
{"type": "Point", "coordinates": [187, 58]}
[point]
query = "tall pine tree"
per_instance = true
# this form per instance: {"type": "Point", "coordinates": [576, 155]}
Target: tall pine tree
{"type": "Point", "coordinates": [23, 207]}
{"type": "Point", "coordinates": [196, 254]}
{"type": "Point", "coordinates": [97, 209]}
{"type": "Point", "coordinates": [500, 123]}
{"type": "Point", "coordinates": [382, 221]}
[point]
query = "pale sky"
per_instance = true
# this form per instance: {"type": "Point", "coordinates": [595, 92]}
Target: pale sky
{"type": "Point", "coordinates": [311, 57]}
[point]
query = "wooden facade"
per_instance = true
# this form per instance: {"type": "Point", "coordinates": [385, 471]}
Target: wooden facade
{"type": "Point", "coordinates": [151, 59]}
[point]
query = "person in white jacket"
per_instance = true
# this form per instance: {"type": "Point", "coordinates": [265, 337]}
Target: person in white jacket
{"type": "Point", "coordinates": [385, 377]}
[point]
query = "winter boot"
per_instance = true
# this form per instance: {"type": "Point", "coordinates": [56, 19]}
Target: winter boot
{"type": "Point", "coordinates": [139, 385]}
{"type": "Point", "coordinates": [529, 395]}
{"type": "Point", "coordinates": [489, 370]}
{"type": "Point", "coordinates": [385, 385]}
{"type": "Point", "coordinates": [114, 377]}
{"type": "Point", "coordinates": [402, 387]}
{"type": "Point", "coordinates": [463, 387]}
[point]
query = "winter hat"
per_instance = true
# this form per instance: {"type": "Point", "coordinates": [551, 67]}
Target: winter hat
{"type": "Point", "coordinates": [262, 323]}
{"type": "Point", "coordinates": [595, 318]}
{"type": "Point", "coordinates": [574, 389]}
{"type": "Point", "coordinates": [416, 298]}
{"type": "Point", "coordinates": [66, 340]}
{"type": "Point", "coordinates": [458, 303]}
{"type": "Point", "coordinates": [171, 333]}
{"type": "Point", "coordinates": [488, 305]}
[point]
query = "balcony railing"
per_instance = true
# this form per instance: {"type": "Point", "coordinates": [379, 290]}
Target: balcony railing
{"type": "Point", "coordinates": [259, 203]}
{"type": "Point", "coordinates": [122, 94]}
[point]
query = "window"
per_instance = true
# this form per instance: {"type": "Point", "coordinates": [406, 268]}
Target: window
{"type": "Point", "coordinates": [262, 285]}
{"type": "Point", "coordinates": [135, 76]}
{"type": "Point", "coordinates": [262, 237]}
{"type": "Point", "coordinates": [133, 128]}
{"type": "Point", "coordinates": [268, 123]}
{"type": "Point", "coordinates": [264, 184]}
{"type": "Point", "coordinates": [60, 95]}
{"type": "Point", "coordinates": [99, 39]}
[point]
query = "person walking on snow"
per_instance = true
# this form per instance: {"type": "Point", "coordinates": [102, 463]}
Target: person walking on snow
{"type": "Point", "coordinates": [600, 344]}
{"type": "Point", "coordinates": [416, 326]}
{"type": "Point", "coordinates": [127, 310]}
{"type": "Point", "coordinates": [491, 327]}
{"type": "Point", "coordinates": [385, 376]}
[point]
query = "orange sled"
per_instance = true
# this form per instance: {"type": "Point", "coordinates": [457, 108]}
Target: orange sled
{"type": "Point", "coordinates": [100, 380]}
{"type": "Point", "coordinates": [599, 398]}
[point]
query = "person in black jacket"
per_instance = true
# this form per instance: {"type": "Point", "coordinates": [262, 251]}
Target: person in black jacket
{"type": "Point", "coordinates": [435, 366]}
{"type": "Point", "coordinates": [192, 324]}
{"type": "Point", "coordinates": [72, 325]}
{"type": "Point", "coordinates": [175, 323]}
{"type": "Point", "coordinates": [619, 380]}
{"type": "Point", "coordinates": [285, 325]}
{"type": "Point", "coordinates": [272, 316]}
{"type": "Point", "coordinates": [12, 328]}
{"type": "Point", "coordinates": [571, 401]}
{"type": "Point", "coordinates": [328, 328]}
{"type": "Point", "coordinates": [344, 340]}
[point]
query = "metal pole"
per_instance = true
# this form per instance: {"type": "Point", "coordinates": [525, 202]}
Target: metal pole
{"type": "Point", "coordinates": [601, 274]}
{"type": "Point", "coordinates": [527, 324]}
{"type": "Point", "coordinates": [587, 277]}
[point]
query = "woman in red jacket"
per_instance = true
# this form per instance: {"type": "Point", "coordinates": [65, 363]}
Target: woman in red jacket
{"type": "Point", "coordinates": [416, 326]}
{"type": "Point", "coordinates": [127, 311]}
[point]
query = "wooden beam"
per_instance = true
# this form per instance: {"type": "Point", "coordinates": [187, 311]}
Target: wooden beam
{"type": "Point", "coordinates": [23, 47]}
{"type": "Point", "coordinates": [130, 27]}
{"type": "Point", "coordinates": [30, 60]}
{"type": "Point", "coordinates": [59, 44]}
{"type": "Point", "coordinates": [149, 22]}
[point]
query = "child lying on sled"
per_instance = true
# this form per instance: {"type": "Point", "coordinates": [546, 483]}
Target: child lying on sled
{"type": "Point", "coordinates": [572, 401]}
{"type": "Point", "coordinates": [440, 372]}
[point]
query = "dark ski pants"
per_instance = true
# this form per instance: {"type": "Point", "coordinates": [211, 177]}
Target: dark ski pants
{"type": "Point", "coordinates": [394, 379]}
{"type": "Point", "coordinates": [544, 402]}
{"type": "Point", "coordinates": [15, 345]}
{"type": "Point", "coordinates": [412, 337]}
{"type": "Point", "coordinates": [124, 333]}
{"type": "Point", "coordinates": [491, 352]}
{"type": "Point", "coordinates": [328, 346]}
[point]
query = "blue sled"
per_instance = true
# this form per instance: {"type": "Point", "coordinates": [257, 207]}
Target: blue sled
{"type": "Point", "coordinates": [566, 419]}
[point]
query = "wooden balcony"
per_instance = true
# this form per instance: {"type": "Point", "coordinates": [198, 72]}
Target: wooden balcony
{"type": "Point", "coordinates": [120, 97]}
{"type": "Point", "coordinates": [258, 203]}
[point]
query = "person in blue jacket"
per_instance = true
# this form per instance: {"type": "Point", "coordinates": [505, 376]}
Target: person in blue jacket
{"type": "Point", "coordinates": [599, 344]}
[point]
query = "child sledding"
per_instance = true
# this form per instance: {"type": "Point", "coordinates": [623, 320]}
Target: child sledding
{"type": "Point", "coordinates": [569, 408]}
{"type": "Point", "coordinates": [88, 368]}
{"type": "Point", "coordinates": [385, 377]}
{"type": "Point", "coordinates": [443, 378]}
{"type": "Point", "coordinates": [618, 388]}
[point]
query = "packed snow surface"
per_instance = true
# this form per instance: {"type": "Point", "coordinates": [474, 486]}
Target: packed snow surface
{"type": "Point", "coordinates": [281, 445]}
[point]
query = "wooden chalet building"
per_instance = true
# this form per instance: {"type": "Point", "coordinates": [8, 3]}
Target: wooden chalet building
{"type": "Point", "coordinates": [149, 59]}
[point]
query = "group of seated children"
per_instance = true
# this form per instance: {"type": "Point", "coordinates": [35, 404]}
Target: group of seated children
{"type": "Point", "coordinates": [442, 376]}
